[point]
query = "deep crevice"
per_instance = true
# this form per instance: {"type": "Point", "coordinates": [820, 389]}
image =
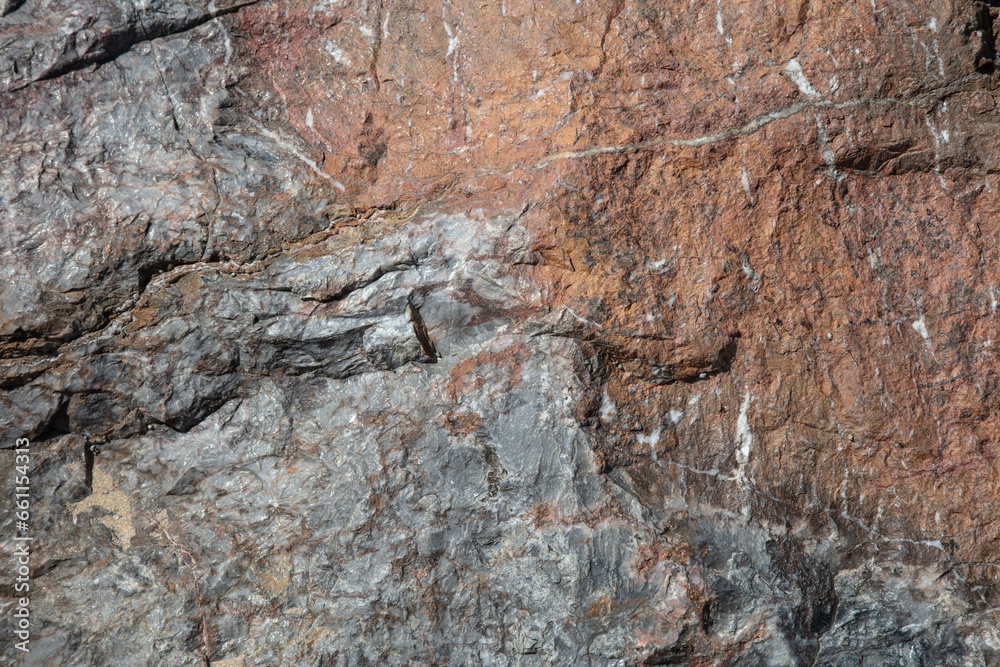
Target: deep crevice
{"type": "Point", "coordinates": [985, 59]}
{"type": "Point", "coordinates": [57, 425]}
{"type": "Point", "coordinates": [420, 331]}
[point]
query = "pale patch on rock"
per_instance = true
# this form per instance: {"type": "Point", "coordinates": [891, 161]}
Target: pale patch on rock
{"type": "Point", "coordinates": [107, 496]}
{"type": "Point", "coordinates": [920, 326]}
{"type": "Point", "coordinates": [238, 661]}
{"type": "Point", "coordinates": [608, 408]}
{"type": "Point", "coordinates": [652, 440]}
{"type": "Point", "coordinates": [743, 436]}
{"type": "Point", "coordinates": [794, 71]}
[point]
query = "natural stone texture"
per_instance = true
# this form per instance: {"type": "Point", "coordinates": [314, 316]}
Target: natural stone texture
{"type": "Point", "coordinates": [610, 333]}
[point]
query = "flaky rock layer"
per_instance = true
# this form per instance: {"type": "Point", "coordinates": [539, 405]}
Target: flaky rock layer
{"type": "Point", "coordinates": [604, 333]}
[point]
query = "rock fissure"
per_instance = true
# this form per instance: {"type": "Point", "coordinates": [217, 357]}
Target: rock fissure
{"type": "Point", "coordinates": [115, 42]}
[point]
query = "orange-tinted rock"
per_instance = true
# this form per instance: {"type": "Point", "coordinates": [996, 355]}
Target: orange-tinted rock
{"type": "Point", "coordinates": [787, 207]}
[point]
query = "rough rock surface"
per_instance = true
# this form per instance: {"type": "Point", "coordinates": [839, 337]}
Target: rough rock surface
{"type": "Point", "coordinates": [515, 333]}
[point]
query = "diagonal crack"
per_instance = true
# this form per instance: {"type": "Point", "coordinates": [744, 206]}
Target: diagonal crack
{"type": "Point", "coordinates": [753, 125]}
{"type": "Point", "coordinates": [8, 6]}
{"type": "Point", "coordinates": [121, 40]}
{"type": "Point", "coordinates": [364, 281]}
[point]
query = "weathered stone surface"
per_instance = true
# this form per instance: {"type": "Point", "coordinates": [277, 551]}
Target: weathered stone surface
{"type": "Point", "coordinates": [610, 333]}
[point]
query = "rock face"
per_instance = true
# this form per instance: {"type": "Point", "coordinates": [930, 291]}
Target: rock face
{"type": "Point", "coordinates": [578, 333]}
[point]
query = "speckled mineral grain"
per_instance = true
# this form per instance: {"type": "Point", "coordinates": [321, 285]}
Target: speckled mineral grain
{"type": "Point", "coordinates": [431, 332]}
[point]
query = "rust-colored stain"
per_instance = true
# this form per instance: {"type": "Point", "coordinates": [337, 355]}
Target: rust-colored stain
{"type": "Point", "coordinates": [462, 423]}
{"type": "Point", "coordinates": [472, 374]}
{"type": "Point", "coordinates": [600, 607]}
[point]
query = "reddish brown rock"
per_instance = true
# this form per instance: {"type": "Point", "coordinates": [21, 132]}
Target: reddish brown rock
{"type": "Point", "coordinates": [789, 208]}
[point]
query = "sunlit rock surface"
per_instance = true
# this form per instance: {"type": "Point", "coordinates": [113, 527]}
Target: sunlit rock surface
{"type": "Point", "coordinates": [579, 333]}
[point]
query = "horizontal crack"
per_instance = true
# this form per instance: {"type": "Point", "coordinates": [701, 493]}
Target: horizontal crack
{"type": "Point", "coordinates": [365, 281]}
{"type": "Point", "coordinates": [13, 371]}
